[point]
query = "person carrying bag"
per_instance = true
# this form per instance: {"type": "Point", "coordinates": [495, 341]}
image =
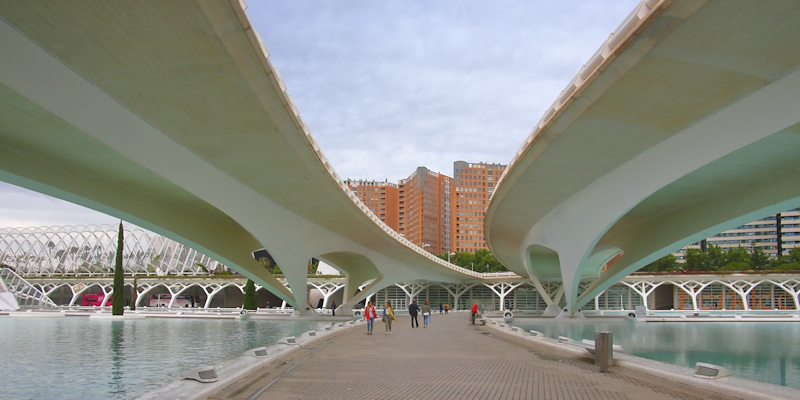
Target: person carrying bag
{"type": "Point", "coordinates": [388, 317]}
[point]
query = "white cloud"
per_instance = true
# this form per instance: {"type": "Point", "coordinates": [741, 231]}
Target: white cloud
{"type": "Point", "coordinates": [23, 208]}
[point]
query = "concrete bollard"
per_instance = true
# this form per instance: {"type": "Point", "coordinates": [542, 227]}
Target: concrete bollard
{"type": "Point", "coordinates": [603, 350]}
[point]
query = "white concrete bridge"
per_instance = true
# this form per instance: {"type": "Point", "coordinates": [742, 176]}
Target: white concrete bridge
{"type": "Point", "coordinates": [171, 116]}
{"type": "Point", "coordinates": [686, 122]}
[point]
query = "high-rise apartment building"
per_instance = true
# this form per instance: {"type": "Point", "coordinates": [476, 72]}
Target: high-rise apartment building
{"type": "Point", "coordinates": [434, 211]}
{"type": "Point", "coordinates": [424, 210]}
{"type": "Point", "coordinates": [474, 185]}
{"type": "Point", "coordinates": [381, 198]}
{"type": "Point", "coordinates": [775, 234]}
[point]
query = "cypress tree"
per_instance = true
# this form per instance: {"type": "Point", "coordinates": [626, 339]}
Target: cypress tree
{"type": "Point", "coordinates": [250, 301]}
{"type": "Point", "coordinates": [118, 295]}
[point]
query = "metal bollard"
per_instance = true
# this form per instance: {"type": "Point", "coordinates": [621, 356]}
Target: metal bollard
{"type": "Point", "coordinates": [603, 350]}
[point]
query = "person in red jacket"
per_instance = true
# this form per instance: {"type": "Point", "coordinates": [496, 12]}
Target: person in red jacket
{"type": "Point", "coordinates": [370, 315]}
{"type": "Point", "coordinates": [474, 313]}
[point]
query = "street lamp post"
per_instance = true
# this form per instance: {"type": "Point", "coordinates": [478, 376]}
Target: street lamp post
{"type": "Point", "coordinates": [448, 256]}
{"type": "Point", "coordinates": [425, 246]}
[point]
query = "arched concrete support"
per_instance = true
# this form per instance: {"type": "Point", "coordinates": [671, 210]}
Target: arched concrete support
{"type": "Point", "coordinates": [693, 224]}
{"type": "Point", "coordinates": [575, 226]}
{"type": "Point", "coordinates": [413, 289]}
{"type": "Point", "coordinates": [792, 287]}
{"type": "Point", "coordinates": [742, 289]}
{"type": "Point", "coordinates": [541, 260]}
{"type": "Point", "coordinates": [643, 289]}
{"type": "Point", "coordinates": [86, 135]}
{"type": "Point", "coordinates": [457, 290]}
{"type": "Point", "coordinates": [502, 289]}
{"type": "Point", "coordinates": [327, 289]}
{"type": "Point", "coordinates": [106, 288]}
{"type": "Point", "coordinates": [553, 308]}
{"type": "Point", "coordinates": [216, 291]}
{"type": "Point", "coordinates": [356, 268]}
{"type": "Point", "coordinates": [546, 264]}
{"type": "Point", "coordinates": [367, 291]}
{"type": "Point", "coordinates": [142, 297]}
{"type": "Point", "coordinates": [600, 258]}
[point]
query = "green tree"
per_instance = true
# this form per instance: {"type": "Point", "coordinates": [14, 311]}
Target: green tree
{"type": "Point", "coordinates": [715, 258]}
{"type": "Point", "coordinates": [737, 255]}
{"type": "Point", "coordinates": [794, 255]}
{"type": "Point", "coordinates": [666, 263]}
{"type": "Point", "coordinates": [792, 266]}
{"type": "Point", "coordinates": [695, 260]}
{"type": "Point", "coordinates": [482, 261]}
{"type": "Point", "coordinates": [313, 264]}
{"type": "Point", "coordinates": [735, 266]}
{"type": "Point", "coordinates": [273, 269]}
{"type": "Point", "coordinates": [118, 295]}
{"type": "Point", "coordinates": [250, 301]}
{"type": "Point", "coordinates": [759, 259]}
{"type": "Point", "coordinates": [786, 262]}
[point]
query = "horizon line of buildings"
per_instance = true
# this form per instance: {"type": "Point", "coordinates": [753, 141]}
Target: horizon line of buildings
{"type": "Point", "coordinates": [439, 213]}
{"type": "Point", "coordinates": [776, 234]}
{"type": "Point", "coordinates": [444, 214]}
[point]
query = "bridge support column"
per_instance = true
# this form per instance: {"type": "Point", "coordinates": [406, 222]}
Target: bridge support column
{"type": "Point", "coordinates": [344, 310]}
{"type": "Point", "coordinates": [552, 310]}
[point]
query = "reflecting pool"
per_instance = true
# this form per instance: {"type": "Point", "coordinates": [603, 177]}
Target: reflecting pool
{"type": "Point", "coordinates": [761, 351]}
{"type": "Point", "coordinates": [71, 358]}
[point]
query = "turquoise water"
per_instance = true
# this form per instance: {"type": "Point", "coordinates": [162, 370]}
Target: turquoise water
{"type": "Point", "coordinates": [72, 358]}
{"type": "Point", "coordinates": [761, 351]}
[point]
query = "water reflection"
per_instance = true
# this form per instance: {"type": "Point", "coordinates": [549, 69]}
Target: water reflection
{"type": "Point", "coordinates": [117, 344]}
{"type": "Point", "coordinates": [121, 359]}
{"type": "Point", "coordinates": [763, 351]}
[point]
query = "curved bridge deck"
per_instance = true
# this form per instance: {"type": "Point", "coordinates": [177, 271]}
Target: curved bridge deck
{"type": "Point", "coordinates": [450, 359]}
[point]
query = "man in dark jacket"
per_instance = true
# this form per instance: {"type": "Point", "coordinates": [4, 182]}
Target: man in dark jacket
{"type": "Point", "coordinates": [413, 310]}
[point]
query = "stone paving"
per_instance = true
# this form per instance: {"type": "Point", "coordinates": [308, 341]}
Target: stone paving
{"type": "Point", "coordinates": [450, 359]}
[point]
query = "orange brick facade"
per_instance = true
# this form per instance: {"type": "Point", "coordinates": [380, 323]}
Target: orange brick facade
{"type": "Point", "coordinates": [434, 211]}
{"type": "Point", "coordinates": [381, 198]}
{"type": "Point", "coordinates": [424, 206]}
{"type": "Point", "coordinates": [474, 185]}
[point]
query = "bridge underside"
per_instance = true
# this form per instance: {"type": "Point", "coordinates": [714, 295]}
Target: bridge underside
{"type": "Point", "coordinates": [171, 116]}
{"type": "Point", "coordinates": [688, 126]}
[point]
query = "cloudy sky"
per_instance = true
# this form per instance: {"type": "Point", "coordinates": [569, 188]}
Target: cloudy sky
{"type": "Point", "coordinates": [387, 86]}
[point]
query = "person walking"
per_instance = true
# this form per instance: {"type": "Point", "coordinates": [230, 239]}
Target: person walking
{"type": "Point", "coordinates": [474, 312]}
{"type": "Point", "coordinates": [446, 307]}
{"type": "Point", "coordinates": [426, 313]}
{"type": "Point", "coordinates": [441, 308]}
{"type": "Point", "coordinates": [388, 317]}
{"type": "Point", "coordinates": [333, 308]}
{"type": "Point", "coordinates": [370, 315]}
{"type": "Point", "coordinates": [413, 310]}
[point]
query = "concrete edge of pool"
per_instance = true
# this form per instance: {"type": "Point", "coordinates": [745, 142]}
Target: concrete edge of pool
{"type": "Point", "coordinates": [231, 371]}
{"type": "Point", "coordinates": [731, 386]}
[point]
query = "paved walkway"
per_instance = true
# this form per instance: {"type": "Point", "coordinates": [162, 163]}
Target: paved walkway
{"type": "Point", "coordinates": [450, 359]}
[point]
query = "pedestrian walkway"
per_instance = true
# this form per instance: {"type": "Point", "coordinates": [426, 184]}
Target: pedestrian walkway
{"type": "Point", "coordinates": [450, 359]}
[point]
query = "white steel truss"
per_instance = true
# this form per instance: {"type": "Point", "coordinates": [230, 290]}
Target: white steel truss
{"type": "Point", "coordinates": [327, 289]}
{"type": "Point", "coordinates": [90, 250]}
{"type": "Point", "coordinates": [27, 295]}
{"type": "Point", "coordinates": [456, 290]}
{"type": "Point", "coordinates": [502, 289]}
{"type": "Point", "coordinates": [779, 291]}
